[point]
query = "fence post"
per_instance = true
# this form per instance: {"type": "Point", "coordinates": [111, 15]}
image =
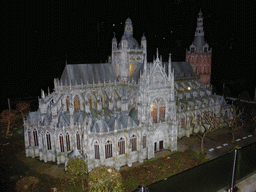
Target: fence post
{"type": "Point", "coordinates": [232, 185]}
{"type": "Point", "coordinates": [142, 188]}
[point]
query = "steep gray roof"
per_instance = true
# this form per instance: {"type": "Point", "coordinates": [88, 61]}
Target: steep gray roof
{"type": "Point", "coordinates": [63, 120]}
{"type": "Point", "coordinates": [76, 154]}
{"type": "Point", "coordinates": [181, 70]}
{"type": "Point", "coordinates": [101, 126]}
{"type": "Point", "coordinates": [75, 73]}
{"type": "Point", "coordinates": [33, 117]}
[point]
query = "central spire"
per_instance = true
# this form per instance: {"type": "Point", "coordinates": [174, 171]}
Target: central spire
{"type": "Point", "coordinates": [128, 30]}
{"type": "Point", "coordinates": [199, 28]}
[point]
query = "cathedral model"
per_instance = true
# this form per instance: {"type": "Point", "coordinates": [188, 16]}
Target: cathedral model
{"type": "Point", "coordinates": [124, 111]}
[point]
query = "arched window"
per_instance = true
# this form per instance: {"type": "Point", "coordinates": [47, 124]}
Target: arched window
{"type": "Point", "coordinates": [61, 143]}
{"type": "Point", "coordinates": [29, 137]}
{"type": "Point", "coordinates": [158, 110]}
{"type": "Point", "coordinates": [131, 69]}
{"type": "Point", "coordinates": [183, 122]}
{"type": "Point", "coordinates": [144, 141]}
{"type": "Point", "coordinates": [89, 100]}
{"type": "Point", "coordinates": [77, 103]}
{"type": "Point", "coordinates": [35, 137]}
{"type": "Point", "coordinates": [48, 138]}
{"type": "Point", "coordinates": [67, 103]}
{"type": "Point", "coordinates": [191, 121]}
{"type": "Point", "coordinates": [67, 142]}
{"type": "Point", "coordinates": [96, 150]}
{"type": "Point", "coordinates": [121, 146]}
{"type": "Point", "coordinates": [134, 143]}
{"type": "Point", "coordinates": [78, 140]}
{"type": "Point", "coordinates": [108, 149]}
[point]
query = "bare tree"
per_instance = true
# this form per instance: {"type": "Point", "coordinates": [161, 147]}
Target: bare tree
{"type": "Point", "coordinates": [210, 122]}
{"type": "Point", "coordinates": [6, 118]}
{"type": "Point", "coordinates": [234, 122]}
{"type": "Point", "coordinates": [23, 108]}
{"type": "Point", "coordinates": [253, 115]}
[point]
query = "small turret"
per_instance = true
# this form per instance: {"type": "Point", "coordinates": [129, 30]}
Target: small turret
{"type": "Point", "coordinates": [170, 66]}
{"type": "Point", "coordinates": [114, 42]}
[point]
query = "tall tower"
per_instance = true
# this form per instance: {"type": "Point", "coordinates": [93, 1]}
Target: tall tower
{"type": "Point", "coordinates": [199, 54]}
{"type": "Point", "coordinates": [127, 54]}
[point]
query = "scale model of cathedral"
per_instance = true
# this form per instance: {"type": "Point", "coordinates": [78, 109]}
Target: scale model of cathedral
{"type": "Point", "coordinates": [120, 112]}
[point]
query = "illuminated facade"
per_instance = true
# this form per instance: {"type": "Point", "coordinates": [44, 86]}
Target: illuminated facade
{"type": "Point", "coordinates": [120, 112]}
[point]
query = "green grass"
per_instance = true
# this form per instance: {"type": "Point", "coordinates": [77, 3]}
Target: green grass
{"type": "Point", "coordinates": [154, 170]}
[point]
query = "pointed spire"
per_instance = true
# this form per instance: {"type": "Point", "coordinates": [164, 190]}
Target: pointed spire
{"type": "Point", "coordinates": [157, 56]}
{"type": "Point", "coordinates": [42, 93]}
{"type": "Point", "coordinates": [170, 65]}
{"type": "Point", "coordinates": [145, 63]}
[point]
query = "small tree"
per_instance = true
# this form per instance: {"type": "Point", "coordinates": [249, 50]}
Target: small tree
{"type": "Point", "coordinates": [77, 169]}
{"type": "Point", "coordinates": [209, 123]}
{"type": "Point", "coordinates": [23, 108]}
{"type": "Point", "coordinates": [234, 122]}
{"type": "Point", "coordinates": [105, 179]}
{"type": "Point", "coordinates": [6, 118]}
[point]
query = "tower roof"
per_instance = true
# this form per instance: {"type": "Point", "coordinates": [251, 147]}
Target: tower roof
{"type": "Point", "coordinates": [128, 20]}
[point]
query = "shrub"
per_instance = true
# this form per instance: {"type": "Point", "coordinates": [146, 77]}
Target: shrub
{"type": "Point", "coordinates": [27, 183]}
{"type": "Point", "coordinates": [105, 179]}
{"type": "Point", "coordinates": [77, 169]}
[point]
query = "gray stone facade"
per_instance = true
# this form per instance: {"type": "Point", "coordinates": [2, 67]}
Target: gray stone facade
{"type": "Point", "coordinates": [120, 112]}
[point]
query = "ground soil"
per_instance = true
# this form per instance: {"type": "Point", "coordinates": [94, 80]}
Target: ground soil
{"type": "Point", "coordinates": [212, 141]}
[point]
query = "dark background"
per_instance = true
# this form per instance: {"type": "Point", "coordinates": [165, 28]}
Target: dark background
{"type": "Point", "coordinates": [39, 35]}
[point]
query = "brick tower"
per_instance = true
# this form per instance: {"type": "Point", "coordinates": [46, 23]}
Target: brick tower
{"type": "Point", "coordinates": [199, 54]}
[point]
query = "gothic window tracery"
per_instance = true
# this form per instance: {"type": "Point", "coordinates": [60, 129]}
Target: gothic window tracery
{"type": "Point", "coordinates": [48, 138]}
{"type": "Point", "coordinates": [97, 150]}
{"type": "Point", "coordinates": [144, 141]}
{"type": "Point", "coordinates": [35, 137]}
{"type": "Point", "coordinates": [67, 103]}
{"type": "Point", "coordinates": [121, 146]}
{"type": "Point", "coordinates": [89, 100]}
{"type": "Point", "coordinates": [67, 142]}
{"type": "Point", "coordinates": [61, 143]}
{"type": "Point", "coordinates": [78, 140]}
{"type": "Point", "coordinates": [183, 122]}
{"type": "Point", "coordinates": [158, 110]}
{"type": "Point", "coordinates": [131, 69]}
{"type": "Point", "coordinates": [108, 149]}
{"type": "Point", "coordinates": [77, 103]}
{"type": "Point", "coordinates": [134, 143]}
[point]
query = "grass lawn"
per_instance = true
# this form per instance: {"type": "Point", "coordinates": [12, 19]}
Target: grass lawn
{"type": "Point", "coordinates": [152, 171]}
{"type": "Point", "coordinates": [12, 168]}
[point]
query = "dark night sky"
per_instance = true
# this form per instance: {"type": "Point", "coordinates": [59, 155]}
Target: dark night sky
{"type": "Point", "coordinates": [39, 34]}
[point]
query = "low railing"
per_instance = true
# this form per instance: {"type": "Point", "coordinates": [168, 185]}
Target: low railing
{"type": "Point", "coordinates": [213, 175]}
